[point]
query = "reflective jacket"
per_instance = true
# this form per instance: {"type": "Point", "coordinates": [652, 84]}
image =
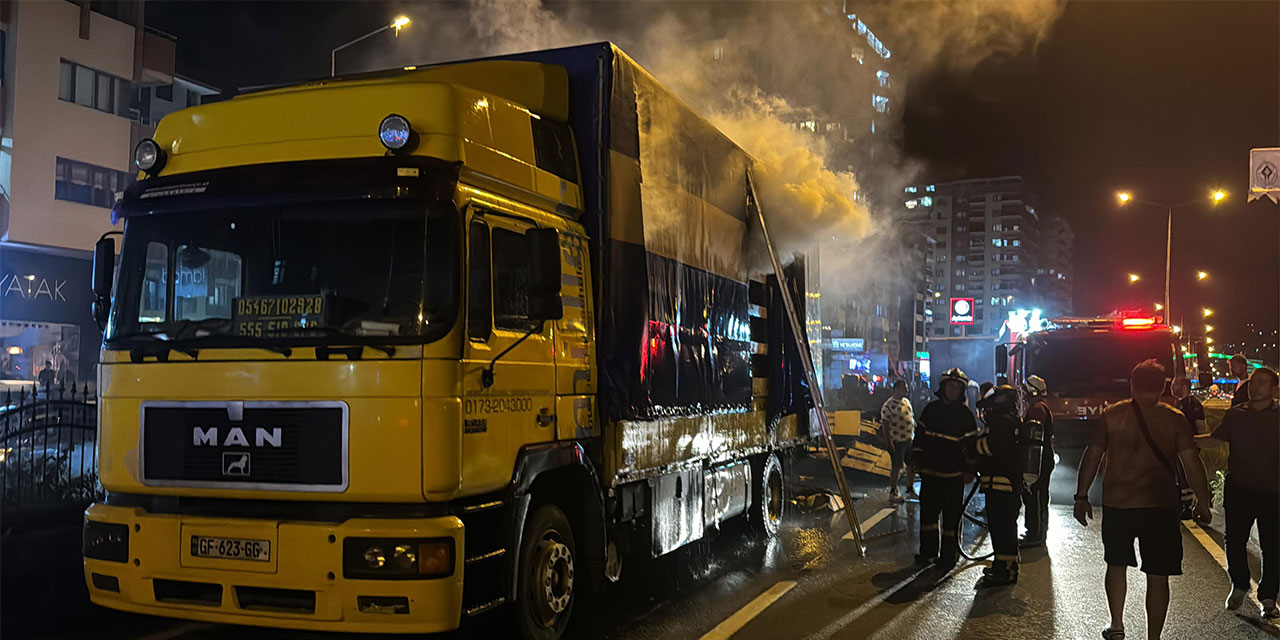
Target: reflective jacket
{"type": "Point", "coordinates": [944, 432]}
{"type": "Point", "coordinates": [1000, 454]}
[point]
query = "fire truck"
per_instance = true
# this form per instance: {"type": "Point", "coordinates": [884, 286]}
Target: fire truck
{"type": "Point", "coordinates": [1086, 363]}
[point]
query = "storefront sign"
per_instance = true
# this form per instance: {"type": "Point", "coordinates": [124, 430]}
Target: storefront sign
{"type": "Point", "coordinates": [852, 345]}
{"type": "Point", "coordinates": [962, 311]}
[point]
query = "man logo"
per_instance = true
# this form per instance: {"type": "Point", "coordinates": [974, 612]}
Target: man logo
{"type": "Point", "coordinates": [235, 463]}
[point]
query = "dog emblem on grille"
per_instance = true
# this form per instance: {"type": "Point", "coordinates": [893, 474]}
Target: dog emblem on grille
{"type": "Point", "coordinates": [235, 463]}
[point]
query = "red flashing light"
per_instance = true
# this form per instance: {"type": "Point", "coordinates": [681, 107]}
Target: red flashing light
{"type": "Point", "coordinates": [1137, 323]}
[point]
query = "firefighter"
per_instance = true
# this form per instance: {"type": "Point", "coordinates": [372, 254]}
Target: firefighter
{"type": "Point", "coordinates": [938, 454]}
{"type": "Point", "coordinates": [1000, 461]}
{"type": "Point", "coordinates": [1036, 495]}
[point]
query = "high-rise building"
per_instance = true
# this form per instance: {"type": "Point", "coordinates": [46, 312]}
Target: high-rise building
{"type": "Point", "coordinates": [81, 84]}
{"type": "Point", "coordinates": [994, 252]}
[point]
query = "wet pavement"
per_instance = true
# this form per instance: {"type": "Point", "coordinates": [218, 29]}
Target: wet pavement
{"type": "Point", "coordinates": [810, 583]}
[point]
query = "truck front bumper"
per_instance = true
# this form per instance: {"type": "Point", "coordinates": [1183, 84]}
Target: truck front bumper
{"type": "Point", "coordinates": [301, 586]}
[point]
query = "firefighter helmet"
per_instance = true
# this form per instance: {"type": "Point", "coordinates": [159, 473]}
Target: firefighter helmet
{"type": "Point", "coordinates": [953, 374]}
{"type": "Point", "coordinates": [1036, 386]}
{"type": "Point", "coordinates": [1003, 396]}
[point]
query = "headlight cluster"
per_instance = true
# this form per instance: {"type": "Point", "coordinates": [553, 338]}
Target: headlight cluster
{"type": "Point", "coordinates": [397, 558]}
{"type": "Point", "coordinates": [105, 541]}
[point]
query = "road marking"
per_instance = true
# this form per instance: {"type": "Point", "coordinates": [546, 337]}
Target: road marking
{"type": "Point", "coordinates": [738, 620]}
{"type": "Point", "coordinates": [871, 522]}
{"type": "Point", "coordinates": [1208, 543]}
{"type": "Point", "coordinates": [848, 618]}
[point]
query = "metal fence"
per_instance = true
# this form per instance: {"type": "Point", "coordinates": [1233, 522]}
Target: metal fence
{"type": "Point", "coordinates": [48, 448]}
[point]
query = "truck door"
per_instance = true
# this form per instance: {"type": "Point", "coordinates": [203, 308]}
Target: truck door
{"type": "Point", "coordinates": [518, 408]}
{"type": "Point", "coordinates": [575, 351]}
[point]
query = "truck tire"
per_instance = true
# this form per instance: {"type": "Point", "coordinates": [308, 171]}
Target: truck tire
{"type": "Point", "coordinates": [545, 593]}
{"type": "Point", "coordinates": [768, 496]}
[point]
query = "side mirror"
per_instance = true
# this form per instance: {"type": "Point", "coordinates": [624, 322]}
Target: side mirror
{"type": "Point", "coordinates": [104, 263]}
{"type": "Point", "coordinates": [544, 275]}
{"type": "Point", "coordinates": [1002, 359]}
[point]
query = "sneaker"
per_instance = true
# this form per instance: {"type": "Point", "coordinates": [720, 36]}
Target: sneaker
{"type": "Point", "coordinates": [1270, 610]}
{"type": "Point", "coordinates": [1236, 598]}
{"type": "Point", "coordinates": [997, 579]}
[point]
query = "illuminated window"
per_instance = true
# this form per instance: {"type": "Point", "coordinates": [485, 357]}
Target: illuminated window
{"type": "Point", "coordinates": [911, 204]}
{"type": "Point", "coordinates": [926, 201]}
{"type": "Point", "coordinates": [880, 103]}
{"type": "Point", "coordinates": [909, 190]}
{"type": "Point", "coordinates": [929, 188]}
{"type": "Point", "coordinates": [883, 77]}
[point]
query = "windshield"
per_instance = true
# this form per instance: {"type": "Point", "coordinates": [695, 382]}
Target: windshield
{"type": "Point", "coordinates": [349, 269]}
{"type": "Point", "coordinates": [1100, 361]}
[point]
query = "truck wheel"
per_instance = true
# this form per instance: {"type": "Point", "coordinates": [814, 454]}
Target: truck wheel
{"type": "Point", "coordinates": [546, 581]}
{"type": "Point", "coordinates": [769, 496]}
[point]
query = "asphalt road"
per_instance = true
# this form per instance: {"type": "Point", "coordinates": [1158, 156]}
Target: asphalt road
{"type": "Point", "coordinates": [810, 583]}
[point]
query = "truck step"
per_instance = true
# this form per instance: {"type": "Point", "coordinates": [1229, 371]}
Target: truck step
{"type": "Point", "coordinates": [486, 606]}
{"type": "Point", "coordinates": [496, 553]}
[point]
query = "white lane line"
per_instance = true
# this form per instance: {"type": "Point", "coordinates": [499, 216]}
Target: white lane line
{"type": "Point", "coordinates": [1208, 543]}
{"type": "Point", "coordinates": [871, 522]}
{"type": "Point", "coordinates": [848, 618]}
{"type": "Point", "coordinates": [738, 620]}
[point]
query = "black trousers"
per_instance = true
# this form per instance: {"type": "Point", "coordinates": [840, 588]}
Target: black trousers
{"type": "Point", "coordinates": [1243, 506]}
{"type": "Point", "coordinates": [1036, 500]}
{"type": "Point", "coordinates": [1002, 522]}
{"type": "Point", "coordinates": [945, 497]}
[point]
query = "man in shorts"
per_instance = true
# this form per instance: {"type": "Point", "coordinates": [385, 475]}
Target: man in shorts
{"type": "Point", "coordinates": [1143, 439]}
{"type": "Point", "coordinates": [897, 427]}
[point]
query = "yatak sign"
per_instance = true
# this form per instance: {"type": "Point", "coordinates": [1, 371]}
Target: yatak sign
{"type": "Point", "coordinates": [32, 287]}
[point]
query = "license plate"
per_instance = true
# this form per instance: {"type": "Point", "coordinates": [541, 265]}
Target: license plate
{"type": "Point", "coordinates": [231, 548]}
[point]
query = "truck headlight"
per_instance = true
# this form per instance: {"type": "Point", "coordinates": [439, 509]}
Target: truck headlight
{"type": "Point", "coordinates": [148, 156]}
{"type": "Point", "coordinates": [397, 558]}
{"type": "Point", "coordinates": [396, 134]}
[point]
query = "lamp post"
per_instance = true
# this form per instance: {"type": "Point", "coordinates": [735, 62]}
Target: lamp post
{"type": "Point", "coordinates": [397, 24]}
{"type": "Point", "coordinates": [1124, 198]}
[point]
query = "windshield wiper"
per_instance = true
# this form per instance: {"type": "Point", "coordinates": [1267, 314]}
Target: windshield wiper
{"type": "Point", "coordinates": [161, 339]}
{"type": "Point", "coordinates": [322, 351]}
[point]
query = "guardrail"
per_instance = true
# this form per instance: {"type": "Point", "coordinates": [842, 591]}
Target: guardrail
{"type": "Point", "coordinates": [48, 449]}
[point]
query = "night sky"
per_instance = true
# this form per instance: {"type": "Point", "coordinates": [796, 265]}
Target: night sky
{"type": "Point", "coordinates": [1161, 98]}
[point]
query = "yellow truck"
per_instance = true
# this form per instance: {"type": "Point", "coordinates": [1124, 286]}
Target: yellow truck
{"type": "Point", "coordinates": [386, 350]}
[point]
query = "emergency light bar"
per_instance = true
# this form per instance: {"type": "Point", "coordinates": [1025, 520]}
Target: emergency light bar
{"type": "Point", "coordinates": [1137, 323]}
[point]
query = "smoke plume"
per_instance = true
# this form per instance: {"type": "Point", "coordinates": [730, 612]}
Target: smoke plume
{"type": "Point", "coordinates": [787, 81]}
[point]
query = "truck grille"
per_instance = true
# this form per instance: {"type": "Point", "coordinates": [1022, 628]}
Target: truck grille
{"type": "Point", "coordinates": [262, 445]}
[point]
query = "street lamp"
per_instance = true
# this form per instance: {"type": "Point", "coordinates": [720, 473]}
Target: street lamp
{"type": "Point", "coordinates": [397, 24]}
{"type": "Point", "coordinates": [1208, 328]}
{"type": "Point", "coordinates": [1201, 275]}
{"type": "Point", "coordinates": [1207, 312]}
{"type": "Point", "coordinates": [1133, 277]}
{"type": "Point", "coordinates": [1159, 307]}
{"type": "Point", "coordinates": [1124, 198]}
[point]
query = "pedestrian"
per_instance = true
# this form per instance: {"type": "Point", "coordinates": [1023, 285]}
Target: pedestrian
{"type": "Point", "coordinates": [1140, 496]}
{"type": "Point", "coordinates": [1189, 405]}
{"type": "Point", "coordinates": [944, 429]}
{"type": "Point", "coordinates": [1036, 495]}
{"type": "Point", "coordinates": [1240, 371]}
{"type": "Point", "coordinates": [897, 427]}
{"type": "Point", "coordinates": [47, 375]}
{"type": "Point", "coordinates": [1253, 489]}
{"type": "Point", "coordinates": [1000, 461]}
